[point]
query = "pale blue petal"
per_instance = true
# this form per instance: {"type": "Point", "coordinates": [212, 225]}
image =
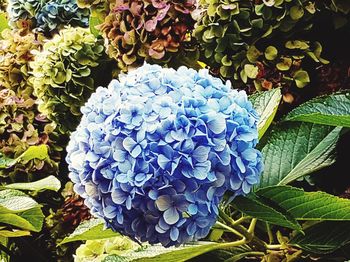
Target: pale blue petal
{"type": "Point", "coordinates": [217, 125]}
{"type": "Point", "coordinates": [163, 161]}
{"type": "Point", "coordinates": [191, 229]}
{"type": "Point", "coordinates": [171, 216]}
{"type": "Point", "coordinates": [192, 209]}
{"type": "Point", "coordinates": [249, 154]}
{"type": "Point", "coordinates": [118, 196]}
{"type": "Point", "coordinates": [119, 155]}
{"type": "Point", "coordinates": [129, 144]}
{"type": "Point", "coordinates": [240, 164]}
{"type": "Point", "coordinates": [235, 184]}
{"type": "Point", "coordinates": [174, 233]}
{"type": "Point", "coordinates": [163, 202]}
{"type": "Point", "coordinates": [201, 153]}
{"type": "Point", "coordinates": [245, 187]}
{"type": "Point", "coordinates": [136, 151]}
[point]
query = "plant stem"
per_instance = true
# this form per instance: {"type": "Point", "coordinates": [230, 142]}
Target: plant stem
{"type": "Point", "coordinates": [249, 235]}
{"type": "Point", "coordinates": [241, 220]}
{"type": "Point", "coordinates": [269, 233]}
{"type": "Point", "coordinates": [232, 244]}
{"type": "Point", "coordinates": [278, 246]}
{"type": "Point", "coordinates": [230, 229]}
{"type": "Point", "coordinates": [252, 226]}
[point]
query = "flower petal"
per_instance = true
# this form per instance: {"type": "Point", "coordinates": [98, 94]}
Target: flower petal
{"type": "Point", "coordinates": [163, 202]}
{"type": "Point", "coordinates": [171, 216]}
{"type": "Point", "coordinates": [174, 233]}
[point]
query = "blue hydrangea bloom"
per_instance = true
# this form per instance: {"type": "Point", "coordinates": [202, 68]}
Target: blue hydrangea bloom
{"type": "Point", "coordinates": [48, 16]}
{"type": "Point", "coordinates": [156, 151]}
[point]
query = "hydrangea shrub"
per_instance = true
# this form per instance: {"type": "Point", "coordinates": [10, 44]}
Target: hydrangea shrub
{"type": "Point", "coordinates": [156, 151]}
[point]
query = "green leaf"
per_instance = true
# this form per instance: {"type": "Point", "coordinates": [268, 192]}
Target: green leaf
{"type": "Point", "coordinates": [297, 44]}
{"type": "Point", "coordinates": [296, 12]}
{"type": "Point", "coordinates": [251, 71]}
{"type": "Point", "coordinates": [271, 52]}
{"type": "Point", "coordinates": [223, 255]}
{"type": "Point", "coordinates": [90, 230]}
{"type": "Point", "coordinates": [39, 152]}
{"type": "Point", "coordinates": [15, 233]}
{"type": "Point", "coordinates": [307, 205]}
{"type": "Point", "coordinates": [114, 258]}
{"type": "Point", "coordinates": [29, 220]}
{"type": "Point", "coordinates": [14, 201]}
{"type": "Point", "coordinates": [255, 207]}
{"type": "Point", "coordinates": [158, 253]}
{"type": "Point", "coordinates": [93, 22]}
{"type": "Point", "coordinates": [48, 183]}
{"type": "Point", "coordinates": [3, 22]}
{"type": "Point", "coordinates": [6, 162]}
{"type": "Point", "coordinates": [285, 64]}
{"type": "Point", "coordinates": [253, 54]}
{"type": "Point", "coordinates": [331, 110]}
{"type": "Point", "coordinates": [35, 217]}
{"type": "Point", "coordinates": [324, 237]}
{"type": "Point", "coordinates": [266, 104]}
{"type": "Point", "coordinates": [215, 234]}
{"type": "Point", "coordinates": [295, 149]}
{"type": "Point", "coordinates": [301, 78]}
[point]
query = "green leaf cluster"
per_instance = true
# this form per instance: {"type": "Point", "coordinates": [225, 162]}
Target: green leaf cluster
{"type": "Point", "coordinates": [302, 143]}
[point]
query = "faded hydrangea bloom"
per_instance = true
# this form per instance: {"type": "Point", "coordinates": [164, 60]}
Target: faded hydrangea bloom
{"type": "Point", "coordinates": [21, 125]}
{"type": "Point", "coordinates": [152, 31]}
{"type": "Point", "coordinates": [156, 151]}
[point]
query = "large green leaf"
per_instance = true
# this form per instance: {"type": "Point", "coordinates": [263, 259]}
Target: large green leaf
{"type": "Point", "coordinates": [90, 230]}
{"type": "Point", "coordinates": [266, 104]}
{"type": "Point", "coordinates": [331, 110]}
{"type": "Point", "coordinates": [35, 217]}
{"type": "Point", "coordinates": [324, 237]}
{"type": "Point", "coordinates": [158, 253]}
{"type": "Point", "coordinates": [296, 149]}
{"type": "Point", "coordinates": [48, 183]}
{"type": "Point", "coordinates": [14, 201]}
{"type": "Point", "coordinates": [29, 220]}
{"type": "Point", "coordinates": [20, 210]}
{"type": "Point", "coordinates": [255, 207]}
{"type": "Point", "coordinates": [307, 205]}
{"type": "Point", "coordinates": [33, 152]}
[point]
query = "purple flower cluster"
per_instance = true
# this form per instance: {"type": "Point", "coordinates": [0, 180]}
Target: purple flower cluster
{"type": "Point", "coordinates": [156, 151]}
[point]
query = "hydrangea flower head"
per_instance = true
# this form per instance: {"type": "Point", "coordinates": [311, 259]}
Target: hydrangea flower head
{"type": "Point", "coordinates": [156, 151]}
{"type": "Point", "coordinates": [47, 16]}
